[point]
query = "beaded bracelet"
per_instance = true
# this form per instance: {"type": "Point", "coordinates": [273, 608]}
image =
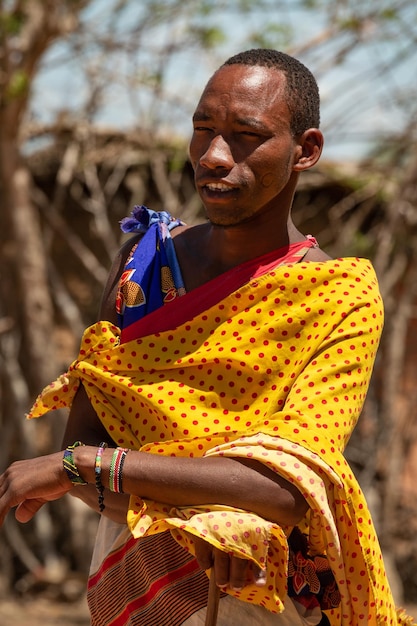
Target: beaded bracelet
{"type": "Point", "coordinates": [116, 470]}
{"type": "Point", "coordinates": [69, 465]}
{"type": "Point", "coordinates": [97, 472]}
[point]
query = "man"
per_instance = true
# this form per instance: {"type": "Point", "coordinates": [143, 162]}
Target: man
{"type": "Point", "coordinates": [230, 387]}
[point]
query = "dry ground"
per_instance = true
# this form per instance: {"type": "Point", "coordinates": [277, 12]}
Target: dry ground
{"type": "Point", "coordinates": [44, 612]}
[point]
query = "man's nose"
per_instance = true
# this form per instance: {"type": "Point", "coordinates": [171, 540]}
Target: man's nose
{"type": "Point", "coordinates": [218, 154]}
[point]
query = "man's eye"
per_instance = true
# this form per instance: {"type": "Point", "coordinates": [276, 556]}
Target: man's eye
{"type": "Point", "coordinates": [250, 133]}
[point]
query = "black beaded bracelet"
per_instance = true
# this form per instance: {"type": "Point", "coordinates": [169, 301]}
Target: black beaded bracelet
{"type": "Point", "coordinates": [97, 472]}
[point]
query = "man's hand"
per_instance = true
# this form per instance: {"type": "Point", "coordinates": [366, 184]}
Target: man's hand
{"type": "Point", "coordinates": [230, 571]}
{"type": "Point", "coordinates": [28, 484]}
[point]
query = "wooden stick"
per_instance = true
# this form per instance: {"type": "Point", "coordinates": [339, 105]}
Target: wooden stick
{"type": "Point", "coordinates": [212, 601]}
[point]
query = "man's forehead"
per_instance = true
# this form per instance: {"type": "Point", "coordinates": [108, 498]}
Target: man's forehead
{"type": "Point", "coordinates": [241, 87]}
{"type": "Point", "coordinates": [249, 76]}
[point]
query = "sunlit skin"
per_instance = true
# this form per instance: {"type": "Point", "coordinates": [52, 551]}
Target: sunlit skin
{"type": "Point", "coordinates": [247, 164]}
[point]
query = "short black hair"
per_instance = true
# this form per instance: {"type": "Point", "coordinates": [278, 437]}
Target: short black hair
{"type": "Point", "coordinates": [302, 92]}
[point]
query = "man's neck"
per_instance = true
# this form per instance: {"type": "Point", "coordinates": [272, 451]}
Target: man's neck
{"type": "Point", "coordinates": [232, 246]}
{"type": "Point", "coordinates": [206, 251]}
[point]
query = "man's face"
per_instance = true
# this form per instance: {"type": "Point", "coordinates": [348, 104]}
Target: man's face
{"type": "Point", "coordinates": [242, 149]}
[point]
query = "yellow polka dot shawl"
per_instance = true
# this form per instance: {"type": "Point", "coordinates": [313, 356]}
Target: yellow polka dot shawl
{"type": "Point", "coordinates": [276, 371]}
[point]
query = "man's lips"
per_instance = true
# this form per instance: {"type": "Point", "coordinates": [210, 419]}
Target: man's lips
{"type": "Point", "coordinates": [216, 187]}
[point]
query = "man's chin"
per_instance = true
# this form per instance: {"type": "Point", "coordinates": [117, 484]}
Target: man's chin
{"type": "Point", "coordinates": [226, 219]}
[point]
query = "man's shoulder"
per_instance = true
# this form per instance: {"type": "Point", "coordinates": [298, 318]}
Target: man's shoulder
{"type": "Point", "coordinates": [189, 240]}
{"type": "Point", "coordinates": [194, 231]}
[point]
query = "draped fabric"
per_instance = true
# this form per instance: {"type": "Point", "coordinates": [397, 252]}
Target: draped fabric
{"type": "Point", "coordinates": [276, 370]}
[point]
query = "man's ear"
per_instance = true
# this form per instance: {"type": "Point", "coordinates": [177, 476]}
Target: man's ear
{"type": "Point", "coordinates": [310, 147]}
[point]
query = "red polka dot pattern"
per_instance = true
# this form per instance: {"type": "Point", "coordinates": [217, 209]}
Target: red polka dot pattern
{"type": "Point", "coordinates": [277, 371]}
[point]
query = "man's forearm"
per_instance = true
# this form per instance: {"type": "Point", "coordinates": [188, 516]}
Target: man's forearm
{"type": "Point", "coordinates": [197, 481]}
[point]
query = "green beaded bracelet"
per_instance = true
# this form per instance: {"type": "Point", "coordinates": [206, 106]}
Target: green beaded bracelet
{"type": "Point", "coordinates": [69, 465]}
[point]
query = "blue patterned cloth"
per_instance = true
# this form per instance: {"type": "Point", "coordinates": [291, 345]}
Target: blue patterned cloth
{"type": "Point", "coordinates": [152, 275]}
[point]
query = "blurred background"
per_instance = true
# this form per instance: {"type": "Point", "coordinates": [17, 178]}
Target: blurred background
{"type": "Point", "coordinates": [96, 98]}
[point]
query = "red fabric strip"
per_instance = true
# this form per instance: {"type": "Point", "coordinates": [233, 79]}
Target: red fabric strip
{"type": "Point", "coordinates": [186, 307]}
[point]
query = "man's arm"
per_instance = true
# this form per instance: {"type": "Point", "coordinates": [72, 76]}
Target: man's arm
{"type": "Point", "coordinates": [183, 481]}
{"type": "Point", "coordinates": [83, 423]}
